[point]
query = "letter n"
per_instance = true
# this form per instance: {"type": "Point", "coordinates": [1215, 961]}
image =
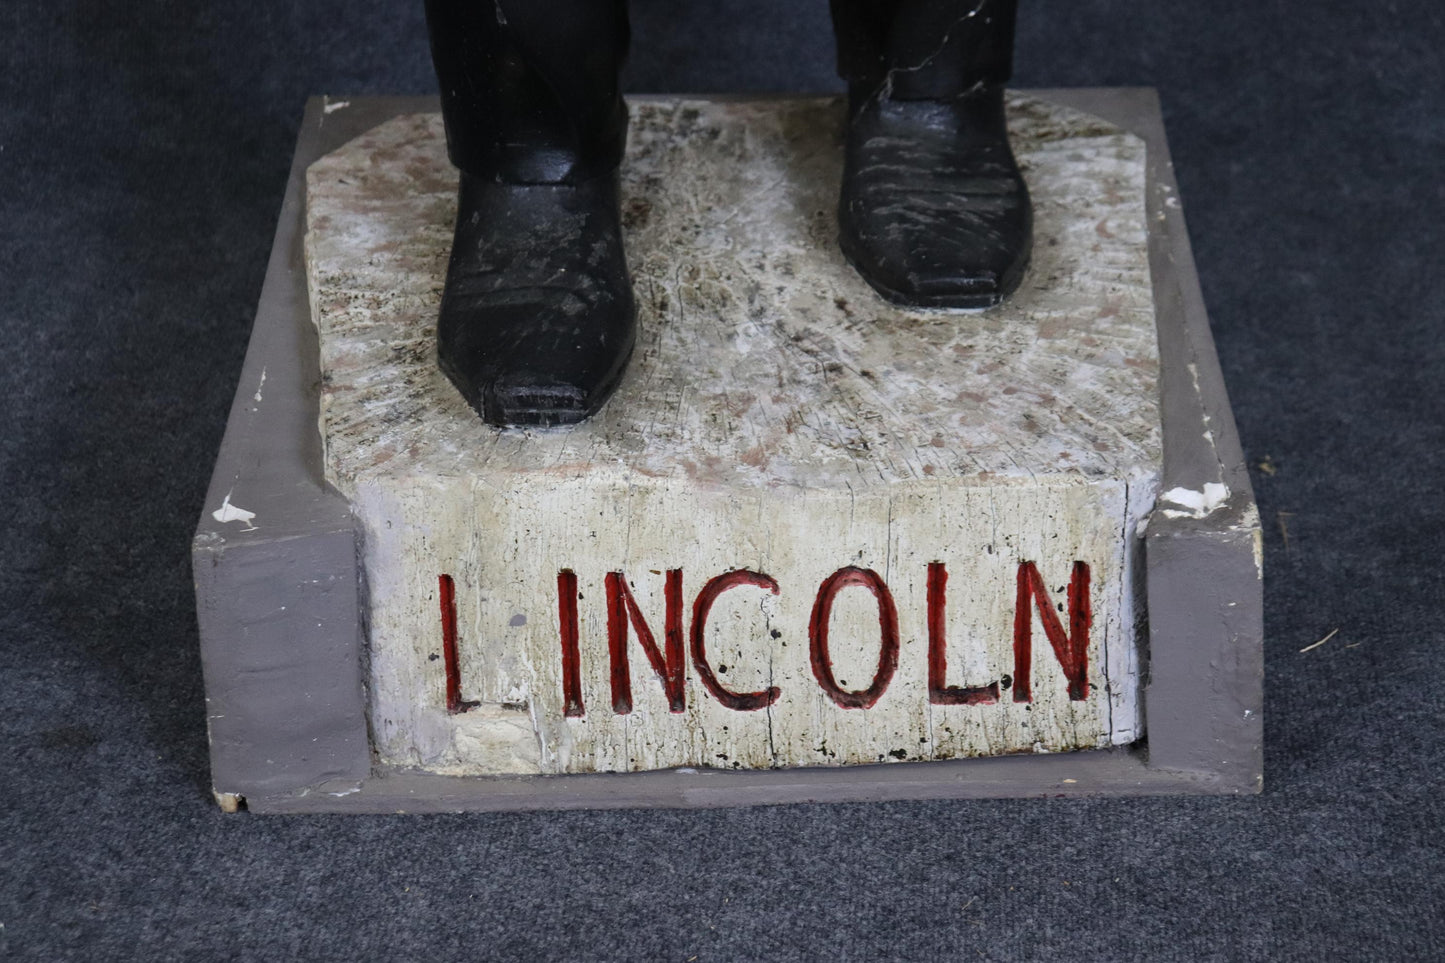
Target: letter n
{"type": "Point", "coordinates": [1072, 649]}
{"type": "Point", "coordinates": [671, 667]}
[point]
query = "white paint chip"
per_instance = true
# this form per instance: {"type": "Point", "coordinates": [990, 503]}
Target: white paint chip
{"type": "Point", "coordinates": [234, 513]}
{"type": "Point", "coordinates": [1195, 504]}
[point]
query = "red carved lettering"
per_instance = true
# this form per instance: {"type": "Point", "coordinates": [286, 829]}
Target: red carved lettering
{"type": "Point", "coordinates": [447, 593]}
{"type": "Point", "coordinates": [940, 693]}
{"type": "Point", "coordinates": [818, 637]}
{"type": "Point", "coordinates": [670, 668]}
{"type": "Point", "coordinates": [571, 658]}
{"type": "Point", "coordinates": [742, 701]}
{"type": "Point", "coordinates": [1071, 650]}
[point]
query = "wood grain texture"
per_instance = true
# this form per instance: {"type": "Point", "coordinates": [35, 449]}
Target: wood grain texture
{"type": "Point", "coordinates": [778, 417]}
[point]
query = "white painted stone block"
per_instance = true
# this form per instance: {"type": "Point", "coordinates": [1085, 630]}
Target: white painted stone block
{"type": "Point", "coordinates": [779, 419]}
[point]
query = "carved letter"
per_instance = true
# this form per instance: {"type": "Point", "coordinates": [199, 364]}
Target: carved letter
{"type": "Point", "coordinates": [1072, 650]}
{"type": "Point", "coordinates": [571, 658]}
{"type": "Point", "coordinates": [447, 594]}
{"type": "Point", "coordinates": [939, 692]}
{"type": "Point", "coordinates": [818, 637]}
{"type": "Point", "coordinates": [742, 701]}
{"type": "Point", "coordinates": [672, 668]}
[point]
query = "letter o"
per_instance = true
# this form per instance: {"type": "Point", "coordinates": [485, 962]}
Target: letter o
{"type": "Point", "coordinates": [887, 627]}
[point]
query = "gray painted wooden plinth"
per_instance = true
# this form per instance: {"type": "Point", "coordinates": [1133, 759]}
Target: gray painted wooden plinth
{"type": "Point", "coordinates": [281, 595]}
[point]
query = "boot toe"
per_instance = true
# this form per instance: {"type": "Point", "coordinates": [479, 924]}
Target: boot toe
{"type": "Point", "coordinates": [524, 399]}
{"type": "Point", "coordinates": [548, 360]}
{"type": "Point", "coordinates": [915, 254]}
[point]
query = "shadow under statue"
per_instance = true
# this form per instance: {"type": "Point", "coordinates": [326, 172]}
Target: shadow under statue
{"type": "Point", "coordinates": [537, 317]}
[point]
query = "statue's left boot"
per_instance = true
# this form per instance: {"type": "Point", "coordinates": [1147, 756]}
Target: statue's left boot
{"type": "Point", "coordinates": [537, 319]}
{"type": "Point", "coordinates": [933, 211]}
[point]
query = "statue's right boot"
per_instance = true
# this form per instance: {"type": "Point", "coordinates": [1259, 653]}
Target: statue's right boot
{"type": "Point", "coordinates": [933, 211]}
{"type": "Point", "coordinates": [537, 319]}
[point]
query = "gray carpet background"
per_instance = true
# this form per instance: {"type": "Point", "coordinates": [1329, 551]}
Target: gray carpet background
{"type": "Point", "coordinates": [144, 149]}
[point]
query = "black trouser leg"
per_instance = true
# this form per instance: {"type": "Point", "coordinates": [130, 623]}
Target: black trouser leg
{"type": "Point", "coordinates": [927, 49]}
{"type": "Point", "coordinates": [537, 317]}
{"type": "Point", "coordinates": [530, 89]}
{"type": "Point", "coordinates": [933, 211]}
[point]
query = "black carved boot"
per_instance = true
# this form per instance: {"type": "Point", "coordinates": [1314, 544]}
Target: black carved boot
{"type": "Point", "coordinates": [933, 211]}
{"type": "Point", "coordinates": [537, 319]}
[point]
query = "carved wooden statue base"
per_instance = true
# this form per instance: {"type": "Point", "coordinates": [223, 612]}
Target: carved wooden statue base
{"type": "Point", "coordinates": [815, 546]}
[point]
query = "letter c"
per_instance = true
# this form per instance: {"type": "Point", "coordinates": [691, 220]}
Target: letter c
{"type": "Point", "coordinates": [742, 701]}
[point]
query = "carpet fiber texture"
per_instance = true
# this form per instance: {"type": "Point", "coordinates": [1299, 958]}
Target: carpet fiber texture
{"type": "Point", "coordinates": [144, 149]}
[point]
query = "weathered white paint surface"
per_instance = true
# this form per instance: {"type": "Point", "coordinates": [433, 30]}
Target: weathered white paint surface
{"type": "Point", "coordinates": [777, 416]}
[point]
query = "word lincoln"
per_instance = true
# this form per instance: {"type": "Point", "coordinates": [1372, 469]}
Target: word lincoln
{"type": "Point", "coordinates": [1070, 646]}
